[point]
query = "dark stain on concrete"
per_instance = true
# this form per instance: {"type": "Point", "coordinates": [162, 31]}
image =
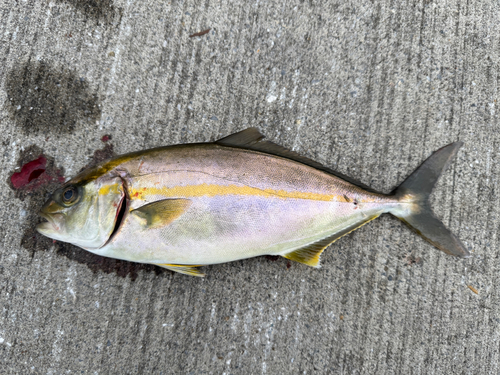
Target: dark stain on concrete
{"type": "Point", "coordinates": [102, 11]}
{"type": "Point", "coordinates": [97, 263]}
{"type": "Point", "coordinates": [107, 152]}
{"type": "Point", "coordinates": [45, 99]}
{"type": "Point", "coordinates": [272, 258]}
{"type": "Point", "coordinates": [38, 191]}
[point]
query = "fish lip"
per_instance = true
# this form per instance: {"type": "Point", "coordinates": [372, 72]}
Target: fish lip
{"type": "Point", "coordinates": [44, 228]}
{"type": "Point", "coordinates": [50, 223]}
{"type": "Point", "coordinates": [45, 216]}
{"type": "Point", "coordinates": [47, 223]}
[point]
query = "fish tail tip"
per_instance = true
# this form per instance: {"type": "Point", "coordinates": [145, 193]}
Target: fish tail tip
{"type": "Point", "coordinates": [414, 208]}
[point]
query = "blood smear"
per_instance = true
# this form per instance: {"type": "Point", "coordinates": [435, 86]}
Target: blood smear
{"type": "Point", "coordinates": [29, 172]}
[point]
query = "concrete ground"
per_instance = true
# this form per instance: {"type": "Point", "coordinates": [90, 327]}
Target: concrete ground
{"type": "Point", "coordinates": [367, 88]}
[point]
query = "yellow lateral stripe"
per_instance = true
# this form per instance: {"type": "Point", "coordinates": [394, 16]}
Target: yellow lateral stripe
{"type": "Point", "coordinates": [215, 190]}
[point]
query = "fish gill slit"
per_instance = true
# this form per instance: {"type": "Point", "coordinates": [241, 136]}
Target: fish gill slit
{"type": "Point", "coordinates": [119, 218]}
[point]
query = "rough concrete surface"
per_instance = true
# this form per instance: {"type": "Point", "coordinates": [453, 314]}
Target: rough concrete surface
{"type": "Point", "coordinates": [367, 88]}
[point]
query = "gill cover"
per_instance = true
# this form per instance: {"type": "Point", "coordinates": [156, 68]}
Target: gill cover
{"type": "Point", "coordinates": [84, 215]}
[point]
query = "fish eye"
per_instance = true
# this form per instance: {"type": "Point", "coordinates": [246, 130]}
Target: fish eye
{"type": "Point", "coordinates": [70, 195]}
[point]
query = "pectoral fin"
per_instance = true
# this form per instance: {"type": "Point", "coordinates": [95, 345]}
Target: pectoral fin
{"type": "Point", "coordinates": [310, 254]}
{"type": "Point", "coordinates": [186, 270]}
{"type": "Point", "coordinates": [161, 213]}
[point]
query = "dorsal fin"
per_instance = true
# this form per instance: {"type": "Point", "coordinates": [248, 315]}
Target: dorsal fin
{"type": "Point", "coordinates": [186, 270]}
{"type": "Point", "coordinates": [310, 254]}
{"type": "Point", "coordinates": [252, 139]}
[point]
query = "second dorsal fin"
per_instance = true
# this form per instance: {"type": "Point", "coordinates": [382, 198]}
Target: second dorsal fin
{"type": "Point", "coordinates": [252, 139]}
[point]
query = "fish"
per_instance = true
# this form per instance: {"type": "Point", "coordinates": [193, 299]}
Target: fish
{"type": "Point", "coordinates": [185, 206]}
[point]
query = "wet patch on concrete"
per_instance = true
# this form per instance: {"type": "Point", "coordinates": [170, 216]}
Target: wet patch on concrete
{"type": "Point", "coordinates": [45, 99]}
{"type": "Point", "coordinates": [102, 11]}
{"type": "Point", "coordinates": [35, 179]}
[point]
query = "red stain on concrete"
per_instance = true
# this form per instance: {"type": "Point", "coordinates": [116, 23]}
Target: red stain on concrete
{"type": "Point", "coordinates": [33, 175]}
{"type": "Point", "coordinates": [29, 172]}
{"type": "Point", "coordinates": [106, 138]}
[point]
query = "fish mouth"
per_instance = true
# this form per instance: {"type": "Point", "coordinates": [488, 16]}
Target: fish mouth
{"type": "Point", "coordinates": [44, 227]}
{"type": "Point", "coordinates": [48, 226]}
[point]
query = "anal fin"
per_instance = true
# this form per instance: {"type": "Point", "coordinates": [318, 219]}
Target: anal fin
{"type": "Point", "coordinates": [185, 269]}
{"type": "Point", "coordinates": [311, 253]}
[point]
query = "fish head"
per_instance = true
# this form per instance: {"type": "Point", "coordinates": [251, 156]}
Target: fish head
{"type": "Point", "coordinates": [85, 214]}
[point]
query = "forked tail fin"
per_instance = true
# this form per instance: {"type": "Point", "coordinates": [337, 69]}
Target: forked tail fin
{"type": "Point", "coordinates": [415, 210]}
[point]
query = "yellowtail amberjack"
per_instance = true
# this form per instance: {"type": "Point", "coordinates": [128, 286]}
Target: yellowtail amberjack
{"type": "Point", "coordinates": [184, 206]}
